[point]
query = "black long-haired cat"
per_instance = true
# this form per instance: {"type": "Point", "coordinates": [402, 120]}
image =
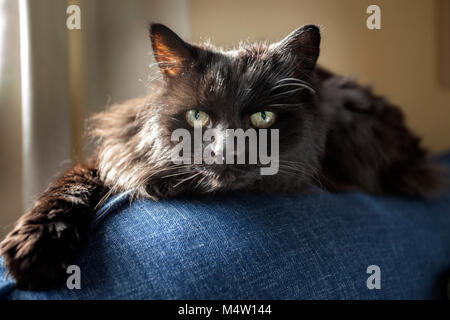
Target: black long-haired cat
{"type": "Point", "coordinates": [333, 133]}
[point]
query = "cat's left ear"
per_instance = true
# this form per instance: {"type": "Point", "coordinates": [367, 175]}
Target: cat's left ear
{"type": "Point", "coordinates": [171, 52]}
{"type": "Point", "coordinates": [304, 43]}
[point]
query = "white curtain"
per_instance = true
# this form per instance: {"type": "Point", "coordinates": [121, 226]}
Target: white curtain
{"type": "Point", "coordinates": [10, 115]}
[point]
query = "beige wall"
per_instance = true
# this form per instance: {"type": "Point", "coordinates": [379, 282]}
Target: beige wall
{"type": "Point", "coordinates": [400, 60]}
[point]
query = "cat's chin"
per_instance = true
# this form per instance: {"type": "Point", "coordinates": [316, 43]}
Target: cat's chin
{"type": "Point", "coordinates": [227, 178]}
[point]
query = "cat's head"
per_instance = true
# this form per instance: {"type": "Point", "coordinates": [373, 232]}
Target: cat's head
{"type": "Point", "coordinates": [255, 86]}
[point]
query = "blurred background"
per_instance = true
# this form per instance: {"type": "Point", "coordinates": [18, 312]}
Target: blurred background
{"type": "Point", "coordinates": [52, 78]}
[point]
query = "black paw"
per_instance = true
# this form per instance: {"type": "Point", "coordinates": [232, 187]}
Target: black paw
{"type": "Point", "coordinates": [37, 255]}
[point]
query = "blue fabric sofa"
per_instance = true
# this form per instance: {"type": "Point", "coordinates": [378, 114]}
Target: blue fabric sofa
{"type": "Point", "coordinates": [246, 246]}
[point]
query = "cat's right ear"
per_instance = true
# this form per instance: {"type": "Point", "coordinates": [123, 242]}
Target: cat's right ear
{"type": "Point", "coordinates": [304, 44]}
{"type": "Point", "coordinates": [171, 52]}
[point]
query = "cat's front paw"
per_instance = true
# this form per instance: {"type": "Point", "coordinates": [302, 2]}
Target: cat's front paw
{"type": "Point", "coordinates": [37, 255]}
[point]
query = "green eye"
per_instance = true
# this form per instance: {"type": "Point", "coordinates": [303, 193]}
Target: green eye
{"type": "Point", "coordinates": [197, 118]}
{"type": "Point", "coordinates": [263, 119]}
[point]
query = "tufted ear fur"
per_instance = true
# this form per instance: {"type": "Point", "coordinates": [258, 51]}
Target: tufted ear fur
{"type": "Point", "coordinates": [304, 43]}
{"type": "Point", "coordinates": [171, 52]}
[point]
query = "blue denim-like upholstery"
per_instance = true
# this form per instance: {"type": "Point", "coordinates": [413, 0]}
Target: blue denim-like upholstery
{"type": "Point", "coordinates": [240, 246]}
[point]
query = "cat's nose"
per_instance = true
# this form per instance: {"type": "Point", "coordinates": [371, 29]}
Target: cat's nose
{"type": "Point", "coordinates": [225, 146]}
{"type": "Point", "coordinates": [219, 156]}
{"type": "Point", "coordinates": [231, 156]}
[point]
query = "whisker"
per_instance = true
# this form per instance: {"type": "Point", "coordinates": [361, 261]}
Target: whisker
{"type": "Point", "coordinates": [305, 86]}
{"type": "Point", "coordinates": [187, 179]}
{"type": "Point", "coordinates": [201, 180]}
{"type": "Point", "coordinates": [287, 92]}
{"type": "Point", "coordinates": [291, 168]}
{"type": "Point", "coordinates": [290, 79]}
{"type": "Point", "coordinates": [175, 174]}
